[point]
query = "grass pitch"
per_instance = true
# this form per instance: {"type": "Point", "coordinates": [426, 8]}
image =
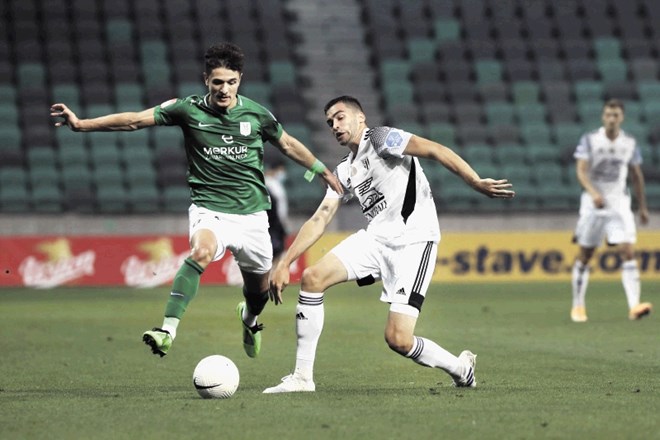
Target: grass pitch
{"type": "Point", "coordinates": [74, 366]}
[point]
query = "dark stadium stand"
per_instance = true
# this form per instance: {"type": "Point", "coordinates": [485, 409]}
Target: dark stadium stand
{"type": "Point", "coordinates": [523, 81]}
{"type": "Point", "coordinates": [510, 84]}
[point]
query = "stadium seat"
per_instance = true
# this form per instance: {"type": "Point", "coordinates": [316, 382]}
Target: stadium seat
{"type": "Point", "coordinates": [567, 135]}
{"type": "Point", "coordinates": [259, 91]}
{"type": "Point", "coordinates": [118, 30]}
{"type": "Point", "coordinates": [493, 91]}
{"type": "Point", "coordinates": [499, 113]}
{"type": "Point", "coordinates": [282, 73]}
{"type": "Point", "coordinates": [651, 111]}
{"type": "Point", "coordinates": [14, 197]}
{"type": "Point", "coordinates": [11, 136]}
{"type": "Point", "coordinates": [111, 175]}
{"type": "Point", "coordinates": [509, 154]}
{"type": "Point", "coordinates": [525, 92]}
{"type": "Point", "coordinates": [588, 91]}
{"type": "Point", "coordinates": [446, 29]}
{"type": "Point", "coordinates": [44, 175]}
{"type": "Point", "coordinates": [613, 70]}
{"type": "Point", "coordinates": [144, 199]}
{"type": "Point", "coordinates": [519, 70]}
{"type": "Point", "coordinates": [397, 92]}
{"type": "Point", "coordinates": [540, 154]}
{"type": "Point", "coordinates": [590, 113]}
{"type": "Point", "coordinates": [473, 133]}
{"type": "Point", "coordinates": [535, 133]}
{"type": "Point", "coordinates": [392, 71]}
{"type": "Point", "coordinates": [435, 111]}
{"type": "Point", "coordinates": [482, 50]}
{"type": "Point", "coordinates": [478, 153]}
{"type": "Point", "coordinates": [530, 113]}
{"type": "Point", "coordinates": [40, 155]}
{"type": "Point", "coordinates": [76, 175]}
{"type": "Point", "coordinates": [504, 134]}
{"type": "Point", "coordinates": [467, 113]}
{"type": "Point", "coordinates": [519, 173]}
{"type": "Point", "coordinates": [488, 71]}
{"type": "Point", "coordinates": [644, 69]}
{"type": "Point", "coordinates": [134, 155]}
{"type": "Point", "coordinates": [140, 175]}
{"type": "Point", "coordinates": [112, 199]}
{"type": "Point", "coordinates": [46, 199]}
{"type": "Point", "coordinates": [421, 49]}
{"type": "Point", "coordinates": [607, 48]}
{"type": "Point", "coordinates": [649, 91]}
{"type": "Point", "coordinates": [443, 133]}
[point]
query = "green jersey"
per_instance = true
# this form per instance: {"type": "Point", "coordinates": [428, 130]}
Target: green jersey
{"type": "Point", "coordinates": [225, 151]}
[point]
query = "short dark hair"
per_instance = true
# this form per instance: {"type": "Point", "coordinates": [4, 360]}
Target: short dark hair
{"type": "Point", "coordinates": [614, 103]}
{"type": "Point", "coordinates": [225, 55]}
{"type": "Point", "coordinates": [348, 100]}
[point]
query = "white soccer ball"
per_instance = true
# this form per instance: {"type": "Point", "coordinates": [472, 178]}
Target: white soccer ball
{"type": "Point", "coordinates": [216, 377]}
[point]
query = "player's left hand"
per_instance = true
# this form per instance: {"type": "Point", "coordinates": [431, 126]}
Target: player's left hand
{"type": "Point", "coordinates": [644, 216]}
{"type": "Point", "coordinates": [332, 181]}
{"type": "Point", "coordinates": [496, 189]}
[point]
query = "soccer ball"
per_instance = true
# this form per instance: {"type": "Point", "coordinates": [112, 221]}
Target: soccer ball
{"type": "Point", "coordinates": [216, 377]}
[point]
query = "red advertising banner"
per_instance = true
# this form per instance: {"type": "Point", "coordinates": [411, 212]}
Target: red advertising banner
{"type": "Point", "coordinates": [136, 261]}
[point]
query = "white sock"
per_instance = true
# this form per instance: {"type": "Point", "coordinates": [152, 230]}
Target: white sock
{"type": "Point", "coordinates": [170, 324]}
{"type": "Point", "coordinates": [630, 280]}
{"type": "Point", "coordinates": [428, 353]}
{"type": "Point", "coordinates": [579, 282]}
{"type": "Point", "coordinates": [309, 325]}
{"type": "Point", "coordinates": [248, 318]}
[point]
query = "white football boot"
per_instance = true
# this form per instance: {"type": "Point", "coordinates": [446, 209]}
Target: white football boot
{"type": "Point", "coordinates": [470, 361]}
{"type": "Point", "coordinates": [292, 384]}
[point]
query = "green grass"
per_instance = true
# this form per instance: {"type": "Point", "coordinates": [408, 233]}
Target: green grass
{"type": "Point", "coordinates": [73, 366]}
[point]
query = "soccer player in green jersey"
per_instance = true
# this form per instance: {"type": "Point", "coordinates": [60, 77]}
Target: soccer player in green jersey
{"type": "Point", "coordinates": [224, 140]}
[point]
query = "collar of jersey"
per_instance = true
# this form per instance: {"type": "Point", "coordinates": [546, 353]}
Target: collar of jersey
{"type": "Point", "coordinates": [206, 106]}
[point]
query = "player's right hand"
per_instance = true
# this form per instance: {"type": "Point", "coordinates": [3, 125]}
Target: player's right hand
{"type": "Point", "coordinates": [599, 202]}
{"type": "Point", "coordinates": [62, 111]}
{"type": "Point", "coordinates": [279, 279]}
{"type": "Point", "coordinates": [332, 181]}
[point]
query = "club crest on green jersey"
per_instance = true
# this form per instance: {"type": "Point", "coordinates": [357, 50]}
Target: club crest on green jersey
{"type": "Point", "coordinates": [245, 128]}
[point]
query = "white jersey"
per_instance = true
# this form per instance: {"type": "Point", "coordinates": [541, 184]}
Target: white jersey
{"type": "Point", "coordinates": [608, 163]}
{"type": "Point", "coordinates": [391, 187]}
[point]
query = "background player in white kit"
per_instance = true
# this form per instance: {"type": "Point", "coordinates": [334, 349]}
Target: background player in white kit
{"type": "Point", "coordinates": [399, 245]}
{"type": "Point", "coordinates": [604, 157]}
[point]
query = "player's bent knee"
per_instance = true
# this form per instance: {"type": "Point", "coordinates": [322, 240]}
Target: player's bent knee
{"type": "Point", "coordinates": [401, 343]}
{"type": "Point", "coordinates": [202, 255]}
{"type": "Point", "coordinates": [313, 280]}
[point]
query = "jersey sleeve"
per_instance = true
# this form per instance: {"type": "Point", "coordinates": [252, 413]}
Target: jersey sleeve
{"type": "Point", "coordinates": [583, 149]}
{"type": "Point", "coordinates": [341, 172]}
{"type": "Point", "coordinates": [389, 142]}
{"type": "Point", "coordinates": [636, 158]}
{"type": "Point", "coordinates": [271, 129]}
{"type": "Point", "coordinates": [170, 112]}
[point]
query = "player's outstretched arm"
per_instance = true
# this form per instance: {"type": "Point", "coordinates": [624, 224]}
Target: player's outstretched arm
{"type": "Point", "coordinates": [309, 233]}
{"type": "Point", "coordinates": [421, 147]}
{"type": "Point", "coordinates": [637, 178]}
{"type": "Point", "coordinates": [127, 121]}
{"type": "Point", "coordinates": [295, 150]}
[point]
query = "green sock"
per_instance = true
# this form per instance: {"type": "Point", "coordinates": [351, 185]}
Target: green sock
{"type": "Point", "coordinates": [184, 288]}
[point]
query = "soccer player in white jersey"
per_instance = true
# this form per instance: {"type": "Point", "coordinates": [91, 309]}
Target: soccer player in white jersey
{"type": "Point", "coordinates": [398, 246]}
{"type": "Point", "coordinates": [604, 158]}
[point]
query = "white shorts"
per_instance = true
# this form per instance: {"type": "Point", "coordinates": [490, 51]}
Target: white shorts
{"type": "Point", "coordinates": [617, 224]}
{"type": "Point", "coordinates": [245, 235]}
{"type": "Point", "coordinates": [406, 270]}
